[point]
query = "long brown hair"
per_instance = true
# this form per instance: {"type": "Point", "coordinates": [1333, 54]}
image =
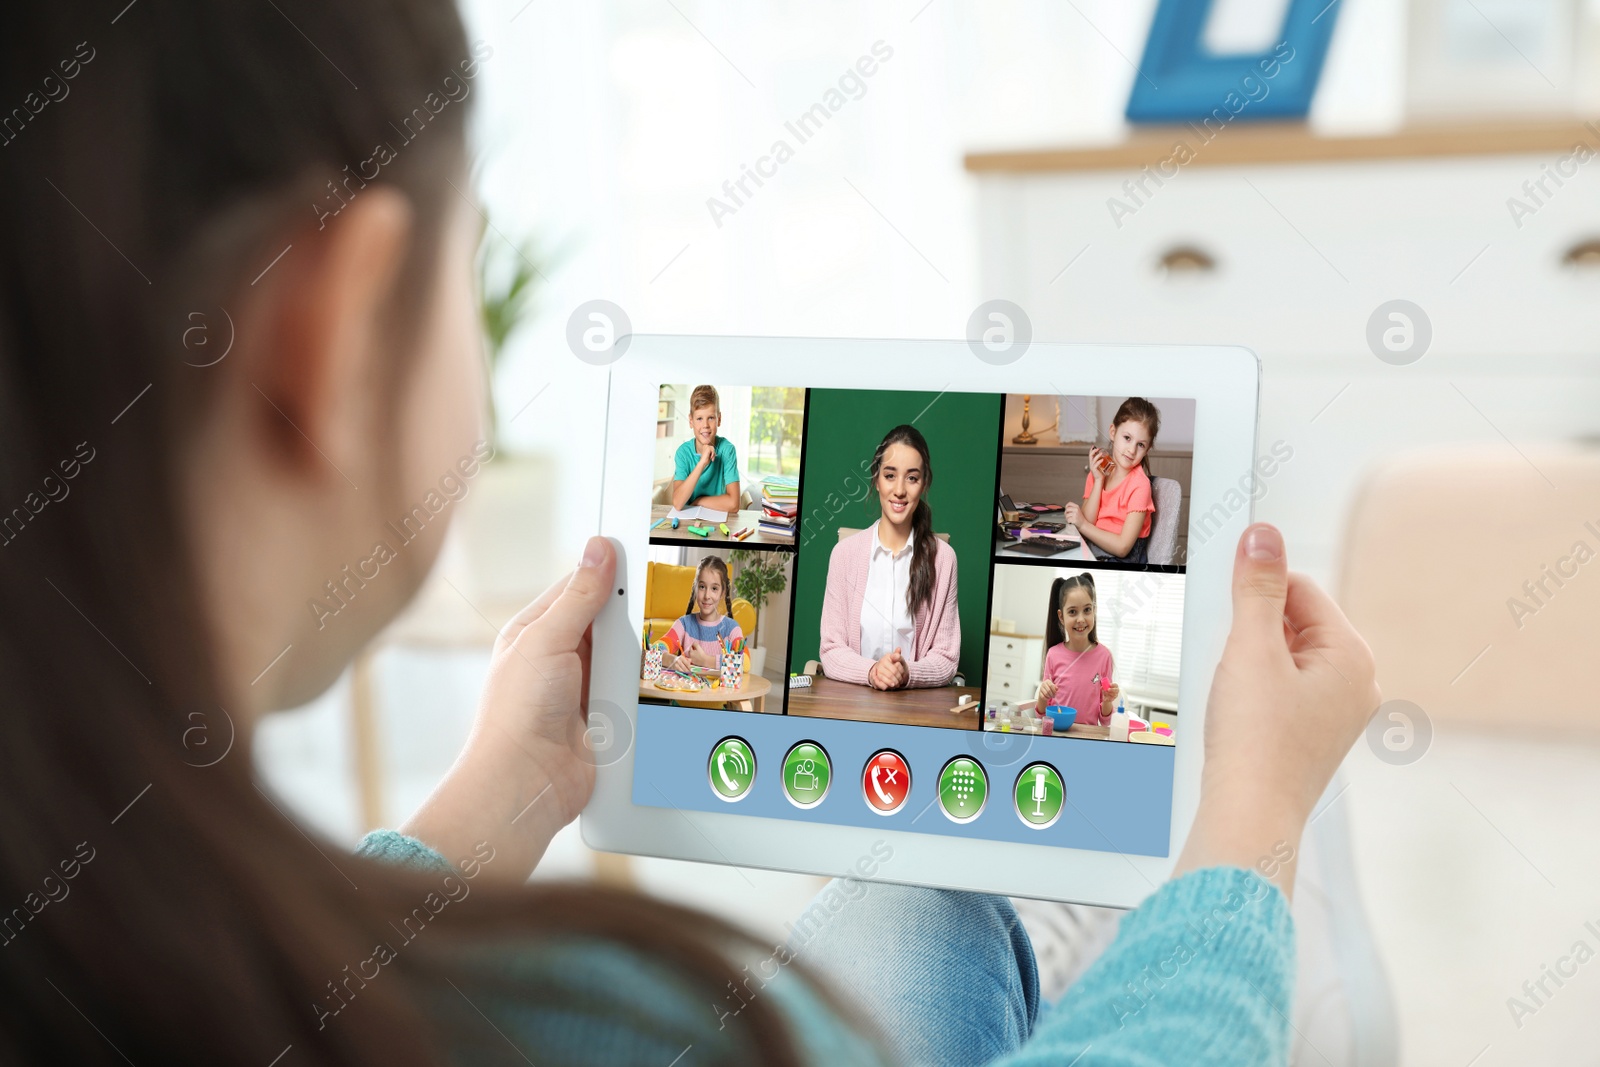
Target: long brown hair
{"type": "Point", "coordinates": [158, 907]}
{"type": "Point", "coordinates": [926, 547]}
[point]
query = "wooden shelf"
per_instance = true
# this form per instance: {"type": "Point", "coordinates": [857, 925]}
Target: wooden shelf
{"type": "Point", "coordinates": [1259, 143]}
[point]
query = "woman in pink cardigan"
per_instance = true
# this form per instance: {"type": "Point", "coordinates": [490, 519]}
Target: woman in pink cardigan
{"type": "Point", "coordinates": [889, 616]}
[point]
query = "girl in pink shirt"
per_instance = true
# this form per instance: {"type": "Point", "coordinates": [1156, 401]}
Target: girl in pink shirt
{"type": "Point", "coordinates": [1077, 667]}
{"type": "Point", "coordinates": [1117, 502]}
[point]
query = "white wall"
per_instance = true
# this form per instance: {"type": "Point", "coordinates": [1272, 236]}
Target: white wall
{"type": "Point", "coordinates": [1081, 418]}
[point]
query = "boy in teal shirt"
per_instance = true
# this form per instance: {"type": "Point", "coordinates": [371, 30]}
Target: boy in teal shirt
{"type": "Point", "coordinates": [706, 467]}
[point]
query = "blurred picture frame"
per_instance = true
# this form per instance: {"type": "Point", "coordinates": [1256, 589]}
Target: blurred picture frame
{"type": "Point", "coordinates": [1183, 76]}
{"type": "Point", "coordinates": [1469, 58]}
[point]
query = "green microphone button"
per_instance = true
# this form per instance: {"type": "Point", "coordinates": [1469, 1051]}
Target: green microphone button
{"type": "Point", "coordinates": [1040, 795]}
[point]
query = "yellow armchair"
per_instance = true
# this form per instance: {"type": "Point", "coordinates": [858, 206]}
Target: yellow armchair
{"type": "Point", "coordinates": [667, 589]}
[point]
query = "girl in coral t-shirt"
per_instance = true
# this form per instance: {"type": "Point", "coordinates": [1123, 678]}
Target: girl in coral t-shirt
{"type": "Point", "coordinates": [1117, 507]}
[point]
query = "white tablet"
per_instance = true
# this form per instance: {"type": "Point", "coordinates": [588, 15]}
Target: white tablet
{"type": "Point", "coordinates": [847, 569]}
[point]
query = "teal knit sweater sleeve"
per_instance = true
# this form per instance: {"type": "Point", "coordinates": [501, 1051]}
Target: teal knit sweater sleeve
{"type": "Point", "coordinates": [1200, 974]}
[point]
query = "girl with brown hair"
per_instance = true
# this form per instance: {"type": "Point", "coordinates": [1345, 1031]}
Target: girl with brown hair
{"type": "Point", "coordinates": [889, 613]}
{"type": "Point", "coordinates": [283, 177]}
{"type": "Point", "coordinates": [1118, 502]}
{"type": "Point", "coordinates": [707, 626]}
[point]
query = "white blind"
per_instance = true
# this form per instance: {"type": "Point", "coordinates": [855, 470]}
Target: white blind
{"type": "Point", "coordinates": [1141, 621]}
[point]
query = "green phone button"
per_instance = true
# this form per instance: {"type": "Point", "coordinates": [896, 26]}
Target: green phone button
{"type": "Point", "coordinates": [732, 769]}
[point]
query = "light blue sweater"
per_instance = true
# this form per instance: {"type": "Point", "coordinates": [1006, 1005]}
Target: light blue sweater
{"type": "Point", "coordinates": [1199, 974]}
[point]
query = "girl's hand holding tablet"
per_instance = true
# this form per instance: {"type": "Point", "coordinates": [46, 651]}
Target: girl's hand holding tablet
{"type": "Point", "coordinates": [526, 770]}
{"type": "Point", "coordinates": [1293, 692]}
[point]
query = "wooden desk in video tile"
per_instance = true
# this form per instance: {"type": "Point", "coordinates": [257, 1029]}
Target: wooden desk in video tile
{"type": "Point", "coordinates": [737, 520]}
{"type": "Point", "coordinates": [826, 698]}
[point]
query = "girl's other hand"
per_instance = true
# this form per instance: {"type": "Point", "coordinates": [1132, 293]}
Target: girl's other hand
{"type": "Point", "coordinates": [527, 769]}
{"type": "Point", "coordinates": [1072, 513]}
{"type": "Point", "coordinates": [1111, 695]}
{"type": "Point", "coordinates": [682, 663]}
{"type": "Point", "coordinates": [1294, 690]}
{"type": "Point", "coordinates": [1047, 692]}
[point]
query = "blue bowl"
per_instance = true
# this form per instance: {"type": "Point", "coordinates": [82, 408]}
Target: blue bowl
{"type": "Point", "coordinates": [1061, 716]}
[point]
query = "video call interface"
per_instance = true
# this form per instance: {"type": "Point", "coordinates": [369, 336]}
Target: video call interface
{"type": "Point", "coordinates": [957, 561]}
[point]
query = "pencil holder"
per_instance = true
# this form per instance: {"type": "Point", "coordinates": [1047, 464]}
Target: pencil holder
{"type": "Point", "coordinates": [652, 663]}
{"type": "Point", "coordinates": [732, 670]}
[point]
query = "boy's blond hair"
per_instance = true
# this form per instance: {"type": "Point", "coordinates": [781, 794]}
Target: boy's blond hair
{"type": "Point", "coordinates": [704, 396]}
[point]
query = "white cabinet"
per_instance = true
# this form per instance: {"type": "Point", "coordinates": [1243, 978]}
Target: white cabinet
{"type": "Point", "coordinates": [1015, 663]}
{"type": "Point", "coordinates": [1289, 243]}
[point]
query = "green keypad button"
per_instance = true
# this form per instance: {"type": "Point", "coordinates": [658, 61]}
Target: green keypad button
{"type": "Point", "coordinates": [963, 789]}
{"type": "Point", "coordinates": [732, 769]}
{"type": "Point", "coordinates": [1040, 795]}
{"type": "Point", "coordinates": [806, 774]}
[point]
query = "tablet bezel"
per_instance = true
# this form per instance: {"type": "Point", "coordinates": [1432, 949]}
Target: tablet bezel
{"type": "Point", "coordinates": [1225, 384]}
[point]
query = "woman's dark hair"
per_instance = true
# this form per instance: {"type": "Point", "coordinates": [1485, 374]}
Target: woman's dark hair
{"type": "Point", "coordinates": [1138, 409]}
{"type": "Point", "coordinates": [157, 908]}
{"type": "Point", "coordinates": [720, 569]}
{"type": "Point", "coordinates": [926, 547]}
{"type": "Point", "coordinates": [1054, 633]}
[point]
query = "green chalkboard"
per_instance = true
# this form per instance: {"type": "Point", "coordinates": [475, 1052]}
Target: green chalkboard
{"type": "Point", "coordinates": [843, 428]}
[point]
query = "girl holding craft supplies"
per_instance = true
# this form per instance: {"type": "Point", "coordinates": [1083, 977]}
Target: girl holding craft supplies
{"type": "Point", "coordinates": [1077, 667]}
{"type": "Point", "coordinates": [1118, 504]}
{"type": "Point", "coordinates": [706, 628]}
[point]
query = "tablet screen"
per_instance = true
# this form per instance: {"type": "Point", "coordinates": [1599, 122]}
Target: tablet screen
{"type": "Point", "coordinates": [838, 626]}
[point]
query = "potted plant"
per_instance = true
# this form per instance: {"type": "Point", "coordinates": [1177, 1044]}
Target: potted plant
{"type": "Point", "coordinates": [505, 282]}
{"type": "Point", "coordinates": [758, 575]}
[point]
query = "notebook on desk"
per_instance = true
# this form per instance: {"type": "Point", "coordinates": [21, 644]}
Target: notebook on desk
{"type": "Point", "coordinates": [697, 512]}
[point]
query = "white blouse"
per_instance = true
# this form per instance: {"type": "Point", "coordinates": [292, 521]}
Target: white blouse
{"type": "Point", "coordinates": [886, 622]}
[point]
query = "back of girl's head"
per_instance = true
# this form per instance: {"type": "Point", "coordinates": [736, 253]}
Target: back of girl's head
{"type": "Point", "coordinates": [1138, 409]}
{"type": "Point", "coordinates": [717, 567]}
{"type": "Point", "coordinates": [1054, 633]}
{"type": "Point", "coordinates": [187, 147]}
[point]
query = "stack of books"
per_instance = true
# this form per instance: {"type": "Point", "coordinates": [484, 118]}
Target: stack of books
{"type": "Point", "coordinates": [780, 504]}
